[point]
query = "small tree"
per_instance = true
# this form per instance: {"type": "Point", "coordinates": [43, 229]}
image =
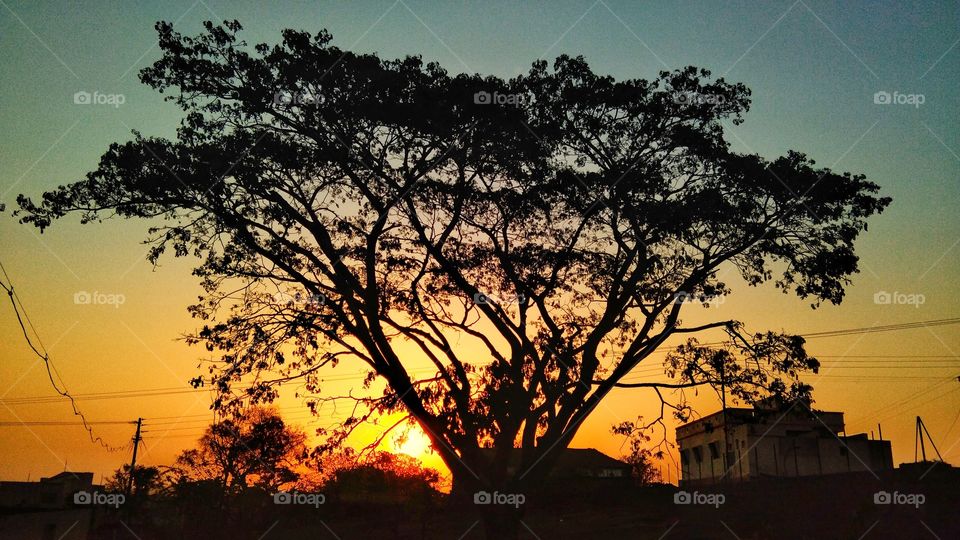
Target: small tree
{"type": "Point", "coordinates": [255, 449]}
{"type": "Point", "coordinates": [397, 487]}
{"type": "Point", "coordinates": [146, 481]}
{"type": "Point", "coordinates": [383, 476]}
{"type": "Point", "coordinates": [641, 460]}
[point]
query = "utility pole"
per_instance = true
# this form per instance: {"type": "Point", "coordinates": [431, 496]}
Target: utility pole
{"type": "Point", "coordinates": [727, 448]}
{"type": "Point", "coordinates": [133, 462]}
{"type": "Point", "coordinates": [921, 430]}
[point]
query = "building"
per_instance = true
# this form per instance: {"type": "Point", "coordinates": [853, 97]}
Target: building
{"type": "Point", "coordinates": [774, 441]}
{"type": "Point", "coordinates": [45, 510]}
{"type": "Point", "coordinates": [574, 463]}
{"type": "Point", "coordinates": [49, 493]}
{"type": "Point", "coordinates": [589, 463]}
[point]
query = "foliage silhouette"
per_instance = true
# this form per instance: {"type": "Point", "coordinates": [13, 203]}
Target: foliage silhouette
{"type": "Point", "coordinates": [535, 239]}
{"type": "Point", "coordinates": [255, 449]}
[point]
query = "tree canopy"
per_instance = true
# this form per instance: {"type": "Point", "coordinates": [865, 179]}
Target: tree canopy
{"type": "Point", "coordinates": [535, 238]}
{"type": "Point", "coordinates": [254, 449]}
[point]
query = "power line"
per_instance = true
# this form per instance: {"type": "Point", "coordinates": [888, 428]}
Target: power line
{"type": "Point", "coordinates": [881, 412]}
{"type": "Point", "coordinates": [895, 414]}
{"type": "Point", "coordinates": [151, 392]}
{"type": "Point", "coordinates": [148, 392]}
{"type": "Point", "coordinates": [63, 423]}
{"type": "Point", "coordinates": [888, 356]}
{"type": "Point", "coordinates": [19, 309]}
{"type": "Point", "coordinates": [36, 400]}
{"type": "Point", "coordinates": [884, 328]}
{"type": "Point", "coordinates": [159, 392]}
{"type": "Point", "coordinates": [635, 375]}
{"type": "Point", "coordinates": [849, 332]}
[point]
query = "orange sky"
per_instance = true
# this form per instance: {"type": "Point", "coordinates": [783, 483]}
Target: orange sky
{"type": "Point", "coordinates": [133, 346]}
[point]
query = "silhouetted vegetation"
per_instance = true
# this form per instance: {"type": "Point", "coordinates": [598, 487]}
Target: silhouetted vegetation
{"type": "Point", "coordinates": [246, 471]}
{"type": "Point", "coordinates": [254, 449]}
{"type": "Point", "coordinates": [535, 238]}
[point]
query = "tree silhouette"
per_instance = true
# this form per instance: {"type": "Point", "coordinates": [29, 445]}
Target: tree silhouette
{"type": "Point", "coordinates": [147, 481]}
{"type": "Point", "coordinates": [535, 239]}
{"type": "Point", "coordinates": [255, 449]}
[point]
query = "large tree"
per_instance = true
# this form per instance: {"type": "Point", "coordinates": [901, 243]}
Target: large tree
{"type": "Point", "coordinates": [535, 239]}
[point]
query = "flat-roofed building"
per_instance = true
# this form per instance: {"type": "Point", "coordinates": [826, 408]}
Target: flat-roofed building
{"type": "Point", "coordinates": [771, 441]}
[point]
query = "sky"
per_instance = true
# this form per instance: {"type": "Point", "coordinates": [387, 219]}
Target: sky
{"type": "Point", "coordinates": [821, 74]}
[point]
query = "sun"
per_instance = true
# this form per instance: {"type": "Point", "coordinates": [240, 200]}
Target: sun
{"type": "Point", "coordinates": [414, 443]}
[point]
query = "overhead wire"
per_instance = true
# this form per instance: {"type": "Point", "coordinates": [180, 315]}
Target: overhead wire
{"type": "Point", "coordinates": [21, 314]}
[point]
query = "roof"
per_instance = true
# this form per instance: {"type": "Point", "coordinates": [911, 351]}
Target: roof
{"type": "Point", "coordinates": [67, 475]}
{"type": "Point", "coordinates": [572, 458]}
{"type": "Point", "coordinates": [739, 415]}
{"type": "Point", "coordinates": [583, 458]}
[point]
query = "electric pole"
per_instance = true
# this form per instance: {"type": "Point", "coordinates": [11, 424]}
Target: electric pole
{"type": "Point", "coordinates": [921, 430]}
{"type": "Point", "coordinates": [727, 448]}
{"type": "Point", "coordinates": [133, 462]}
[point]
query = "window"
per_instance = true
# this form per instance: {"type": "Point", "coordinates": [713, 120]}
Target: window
{"type": "Point", "coordinates": [714, 450]}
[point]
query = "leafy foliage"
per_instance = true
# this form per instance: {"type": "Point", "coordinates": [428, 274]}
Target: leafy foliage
{"type": "Point", "coordinates": [534, 250]}
{"type": "Point", "coordinates": [256, 449]}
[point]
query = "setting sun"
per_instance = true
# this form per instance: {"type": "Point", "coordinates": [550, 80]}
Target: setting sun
{"type": "Point", "coordinates": [414, 443]}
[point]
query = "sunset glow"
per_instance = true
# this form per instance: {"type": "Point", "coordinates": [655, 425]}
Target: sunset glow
{"type": "Point", "coordinates": [414, 443]}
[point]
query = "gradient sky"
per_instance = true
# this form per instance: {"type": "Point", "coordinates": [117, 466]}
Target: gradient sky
{"type": "Point", "coordinates": [813, 66]}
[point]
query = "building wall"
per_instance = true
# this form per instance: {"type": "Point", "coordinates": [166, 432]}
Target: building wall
{"type": "Point", "coordinates": [710, 447]}
{"type": "Point", "coordinates": [71, 524]}
{"type": "Point", "coordinates": [789, 446]}
{"type": "Point", "coordinates": [764, 457]}
{"type": "Point", "coordinates": [866, 454]}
